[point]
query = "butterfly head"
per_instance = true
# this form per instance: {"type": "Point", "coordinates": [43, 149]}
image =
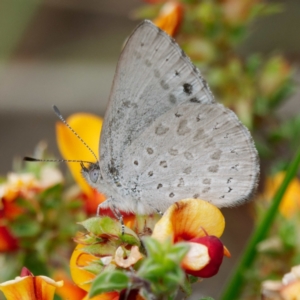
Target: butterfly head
{"type": "Point", "coordinates": [92, 174]}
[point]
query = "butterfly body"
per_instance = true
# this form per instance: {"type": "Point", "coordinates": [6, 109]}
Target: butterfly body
{"type": "Point", "coordinates": [164, 137]}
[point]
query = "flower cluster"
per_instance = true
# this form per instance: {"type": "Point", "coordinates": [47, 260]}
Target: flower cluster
{"type": "Point", "coordinates": [107, 260]}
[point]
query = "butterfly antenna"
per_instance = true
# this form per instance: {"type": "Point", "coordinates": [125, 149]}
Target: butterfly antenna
{"type": "Point", "coordinates": [26, 158]}
{"type": "Point", "coordinates": [57, 112]}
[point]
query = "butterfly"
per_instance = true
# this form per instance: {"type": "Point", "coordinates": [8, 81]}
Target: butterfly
{"type": "Point", "coordinates": [164, 136]}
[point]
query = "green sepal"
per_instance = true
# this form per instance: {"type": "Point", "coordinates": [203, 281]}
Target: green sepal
{"type": "Point", "coordinates": [109, 281]}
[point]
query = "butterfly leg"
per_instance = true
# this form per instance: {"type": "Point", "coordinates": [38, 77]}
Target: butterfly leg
{"type": "Point", "coordinates": [114, 210]}
{"type": "Point", "coordinates": [119, 216]}
{"type": "Point", "coordinates": [157, 210]}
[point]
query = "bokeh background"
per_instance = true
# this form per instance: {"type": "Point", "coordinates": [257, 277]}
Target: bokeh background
{"type": "Point", "coordinates": [64, 52]}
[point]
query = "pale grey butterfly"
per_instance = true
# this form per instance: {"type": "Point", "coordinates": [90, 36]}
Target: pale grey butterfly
{"type": "Point", "coordinates": [164, 137]}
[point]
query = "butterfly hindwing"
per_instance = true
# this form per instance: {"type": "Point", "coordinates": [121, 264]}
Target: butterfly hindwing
{"type": "Point", "coordinates": [196, 150]}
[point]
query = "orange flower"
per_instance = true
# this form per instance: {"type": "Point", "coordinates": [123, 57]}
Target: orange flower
{"type": "Point", "coordinates": [7, 241]}
{"type": "Point", "coordinates": [69, 290]}
{"type": "Point", "coordinates": [102, 247]}
{"type": "Point", "coordinates": [29, 287]}
{"type": "Point", "coordinates": [200, 224]}
{"type": "Point", "coordinates": [79, 260]}
{"type": "Point", "coordinates": [290, 204]}
{"type": "Point", "coordinates": [88, 127]}
{"type": "Point", "coordinates": [83, 278]}
{"type": "Point", "coordinates": [170, 17]}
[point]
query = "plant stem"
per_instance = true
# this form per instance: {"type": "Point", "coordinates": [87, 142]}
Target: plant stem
{"type": "Point", "coordinates": [233, 288]}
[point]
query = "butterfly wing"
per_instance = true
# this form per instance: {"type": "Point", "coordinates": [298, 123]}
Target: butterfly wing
{"type": "Point", "coordinates": [196, 150]}
{"type": "Point", "coordinates": [153, 76]}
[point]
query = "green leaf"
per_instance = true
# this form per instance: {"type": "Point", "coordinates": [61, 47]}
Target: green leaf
{"type": "Point", "coordinates": [130, 237]}
{"type": "Point", "coordinates": [102, 225]}
{"type": "Point", "coordinates": [101, 249]}
{"type": "Point", "coordinates": [178, 251]}
{"type": "Point", "coordinates": [25, 228]}
{"type": "Point", "coordinates": [152, 246]}
{"type": "Point", "coordinates": [109, 281]}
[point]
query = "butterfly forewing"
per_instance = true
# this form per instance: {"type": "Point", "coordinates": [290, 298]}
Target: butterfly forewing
{"type": "Point", "coordinates": [153, 76]}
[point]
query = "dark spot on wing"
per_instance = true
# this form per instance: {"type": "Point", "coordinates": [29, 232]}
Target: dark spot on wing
{"type": "Point", "coordinates": [150, 150]}
{"type": "Point", "coordinates": [213, 169]}
{"type": "Point", "coordinates": [200, 135]}
{"type": "Point", "coordinates": [173, 151]}
{"type": "Point", "coordinates": [148, 63]}
{"type": "Point", "coordinates": [181, 182]}
{"type": "Point", "coordinates": [187, 170]}
{"type": "Point", "coordinates": [188, 88]}
{"type": "Point", "coordinates": [216, 155]}
{"type": "Point", "coordinates": [163, 164]}
{"type": "Point", "coordinates": [206, 189]}
{"type": "Point", "coordinates": [161, 129]}
{"type": "Point", "coordinates": [172, 99]}
{"type": "Point", "coordinates": [206, 181]}
{"type": "Point", "coordinates": [183, 129]}
{"type": "Point", "coordinates": [156, 73]}
{"type": "Point", "coordinates": [188, 155]}
{"type": "Point", "coordinates": [164, 85]}
{"type": "Point", "coordinates": [195, 100]}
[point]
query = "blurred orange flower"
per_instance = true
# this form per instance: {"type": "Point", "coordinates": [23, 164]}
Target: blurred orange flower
{"type": "Point", "coordinates": [286, 289]}
{"type": "Point", "coordinates": [26, 186]}
{"type": "Point", "coordinates": [238, 11]}
{"type": "Point", "coordinates": [7, 241]}
{"type": "Point", "coordinates": [29, 287]}
{"type": "Point", "coordinates": [200, 224]}
{"type": "Point", "coordinates": [69, 290]}
{"type": "Point", "coordinates": [170, 17]}
{"type": "Point", "coordinates": [290, 203]}
{"type": "Point", "coordinates": [88, 127]}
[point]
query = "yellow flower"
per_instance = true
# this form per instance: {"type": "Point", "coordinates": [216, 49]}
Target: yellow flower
{"type": "Point", "coordinates": [29, 287]}
{"type": "Point", "coordinates": [83, 278]}
{"type": "Point", "coordinates": [185, 219]}
{"type": "Point", "coordinates": [88, 127]}
{"type": "Point", "coordinates": [290, 204]}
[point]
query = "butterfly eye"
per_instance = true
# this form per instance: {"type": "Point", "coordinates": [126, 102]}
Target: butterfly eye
{"type": "Point", "coordinates": [94, 174]}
